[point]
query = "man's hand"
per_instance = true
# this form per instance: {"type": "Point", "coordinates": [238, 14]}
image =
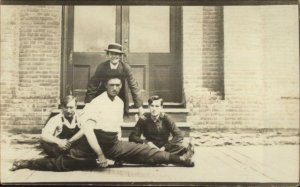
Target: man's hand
{"type": "Point", "coordinates": [101, 161]}
{"type": "Point", "coordinates": [162, 148]}
{"type": "Point", "coordinates": [68, 146]}
{"type": "Point", "coordinates": [152, 145]}
{"type": "Point", "coordinates": [62, 143]}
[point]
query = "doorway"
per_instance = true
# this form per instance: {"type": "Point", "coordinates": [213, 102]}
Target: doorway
{"type": "Point", "coordinates": [151, 37]}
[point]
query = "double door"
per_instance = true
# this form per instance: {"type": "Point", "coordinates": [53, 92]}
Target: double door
{"type": "Point", "coordinates": [151, 39]}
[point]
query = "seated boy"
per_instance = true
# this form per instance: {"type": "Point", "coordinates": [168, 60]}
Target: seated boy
{"type": "Point", "coordinates": [157, 128]}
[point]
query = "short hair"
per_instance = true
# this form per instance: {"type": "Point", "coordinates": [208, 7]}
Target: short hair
{"type": "Point", "coordinates": [155, 97]}
{"type": "Point", "coordinates": [64, 101]}
{"type": "Point", "coordinates": [113, 76]}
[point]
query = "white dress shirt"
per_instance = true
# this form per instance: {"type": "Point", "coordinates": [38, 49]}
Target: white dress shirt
{"type": "Point", "coordinates": [107, 114]}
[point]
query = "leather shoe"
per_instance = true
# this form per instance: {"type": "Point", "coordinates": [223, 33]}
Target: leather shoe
{"type": "Point", "coordinates": [19, 164]}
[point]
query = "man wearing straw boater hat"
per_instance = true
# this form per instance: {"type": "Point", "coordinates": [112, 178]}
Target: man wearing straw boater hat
{"type": "Point", "coordinates": [115, 66]}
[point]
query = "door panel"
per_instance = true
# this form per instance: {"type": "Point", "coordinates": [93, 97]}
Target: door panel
{"type": "Point", "coordinates": [154, 40]}
{"type": "Point", "coordinates": [80, 85]}
{"type": "Point", "coordinates": [84, 67]}
{"type": "Point", "coordinates": [94, 28]}
{"type": "Point", "coordinates": [140, 73]}
{"type": "Point", "coordinates": [151, 38]}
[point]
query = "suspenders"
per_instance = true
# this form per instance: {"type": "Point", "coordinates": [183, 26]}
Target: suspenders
{"type": "Point", "coordinates": [66, 131]}
{"type": "Point", "coordinates": [63, 121]}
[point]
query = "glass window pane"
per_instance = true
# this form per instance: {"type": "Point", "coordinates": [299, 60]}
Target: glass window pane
{"type": "Point", "coordinates": [149, 29]}
{"type": "Point", "coordinates": [94, 27]}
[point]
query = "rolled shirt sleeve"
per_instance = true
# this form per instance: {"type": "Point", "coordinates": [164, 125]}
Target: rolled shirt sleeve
{"type": "Point", "coordinates": [53, 126]}
{"type": "Point", "coordinates": [89, 112]}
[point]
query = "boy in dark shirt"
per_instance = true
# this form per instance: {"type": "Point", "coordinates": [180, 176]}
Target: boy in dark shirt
{"type": "Point", "coordinates": [157, 128]}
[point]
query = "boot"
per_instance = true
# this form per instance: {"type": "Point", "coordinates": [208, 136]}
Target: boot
{"type": "Point", "coordinates": [19, 164]}
{"type": "Point", "coordinates": [181, 161]}
{"type": "Point", "coordinates": [187, 162]}
{"type": "Point", "coordinates": [190, 151]}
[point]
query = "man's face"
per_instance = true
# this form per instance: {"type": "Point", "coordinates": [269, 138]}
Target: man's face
{"type": "Point", "coordinates": [69, 109]}
{"type": "Point", "coordinates": [113, 87]}
{"type": "Point", "coordinates": [155, 108]}
{"type": "Point", "coordinates": [114, 57]}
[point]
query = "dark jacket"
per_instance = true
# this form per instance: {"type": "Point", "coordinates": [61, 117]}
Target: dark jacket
{"type": "Point", "coordinates": [96, 85]}
{"type": "Point", "coordinates": [156, 132]}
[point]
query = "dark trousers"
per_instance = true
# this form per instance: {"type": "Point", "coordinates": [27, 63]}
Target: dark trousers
{"type": "Point", "coordinates": [176, 149]}
{"type": "Point", "coordinates": [61, 163]}
{"type": "Point", "coordinates": [82, 157]}
{"type": "Point", "coordinates": [130, 152]}
{"type": "Point", "coordinates": [51, 149]}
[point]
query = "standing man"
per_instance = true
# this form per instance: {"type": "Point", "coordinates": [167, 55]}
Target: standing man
{"type": "Point", "coordinates": [60, 128]}
{"type": "Point", "coordinates": [116, 66]}
{"type": "Point", "coordinates": [157, 128]}
{"type": "Point", "coordinates": [100, 141]}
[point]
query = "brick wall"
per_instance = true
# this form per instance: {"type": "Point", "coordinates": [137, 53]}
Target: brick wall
{"type": "Point", "coordinates": [243, 67]}
{"type": "Point", "coordinates": [257, 70]}
{"type": "Point", "coordinates": [262, 79]}
{"type": "Point", "coordinates": [281, 66]}
{"type": "Point", "coordinates": [260, 65]}
{"type": "Point", "coordinates": [9, 61]}
{"type": "Point", "coordinates": [30, 66]}
{"type": "Point", "coordinates": [203, 64]}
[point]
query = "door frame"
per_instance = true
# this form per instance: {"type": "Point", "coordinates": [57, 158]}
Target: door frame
{"type": "Point", "coordinates": [67, 43]}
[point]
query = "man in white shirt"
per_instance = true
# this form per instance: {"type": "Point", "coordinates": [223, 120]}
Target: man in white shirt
{"type": "Point", "coordinates": [100, 125]}
{"type": "Point", "coordinates": [60, 128]}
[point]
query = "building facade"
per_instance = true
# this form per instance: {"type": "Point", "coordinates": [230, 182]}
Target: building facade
{"type": "Point", "coordinates": [230, 67]}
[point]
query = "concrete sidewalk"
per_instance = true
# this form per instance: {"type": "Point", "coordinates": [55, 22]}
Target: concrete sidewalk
{"type": "Point", "coordinates": [226, 163]}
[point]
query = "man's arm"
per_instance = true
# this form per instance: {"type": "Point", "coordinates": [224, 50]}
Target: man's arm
{"type": "Point", "coordinates": [135, 135]}
{"type": "Point", "coordinates": [76, 136]}
{"type": "Point", "coordinates": [175, 131]}
{"type": "Point", "coordinates": [47, 137]}
{"type": "Point", "coordinates": [87, 113]}
{"type": "Point", "coordinates": [134, 88]}
{"type": "Point", "coordinates": [48, 134]}
{"type": "Point", "coordinates": [93, 142]}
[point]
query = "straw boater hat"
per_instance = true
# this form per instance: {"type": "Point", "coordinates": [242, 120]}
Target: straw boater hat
{"type": "Point", "coordinates": [115, 47]}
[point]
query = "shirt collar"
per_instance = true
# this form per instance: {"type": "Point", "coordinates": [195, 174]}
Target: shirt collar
{"type": "Point", "coordinates": [107, 97]}
{"type": "Point", "coordinates": [65, 119]}
{"type": "Point", "coordinates": [160, 117]}
{"type": "Point", "coordinates": [112, 66]}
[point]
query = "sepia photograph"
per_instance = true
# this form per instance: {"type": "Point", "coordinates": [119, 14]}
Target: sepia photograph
{"type": "Point", "coordinates": [185, 93]}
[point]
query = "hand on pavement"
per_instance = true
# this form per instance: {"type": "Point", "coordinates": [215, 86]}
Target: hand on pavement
{"type": "Point", "coordinates": [101, 161]}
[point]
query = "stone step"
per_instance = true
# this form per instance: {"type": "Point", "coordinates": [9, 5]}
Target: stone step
{"type": "Point", "coordinates": [177, 114]}
{"type": "Point", "coordinates": [127, 128]}
{"type": "Point", "coordinates": [80, 105]}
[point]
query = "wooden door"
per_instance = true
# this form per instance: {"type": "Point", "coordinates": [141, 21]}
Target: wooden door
{"type": "Point", "coordinates": [151, 38]}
